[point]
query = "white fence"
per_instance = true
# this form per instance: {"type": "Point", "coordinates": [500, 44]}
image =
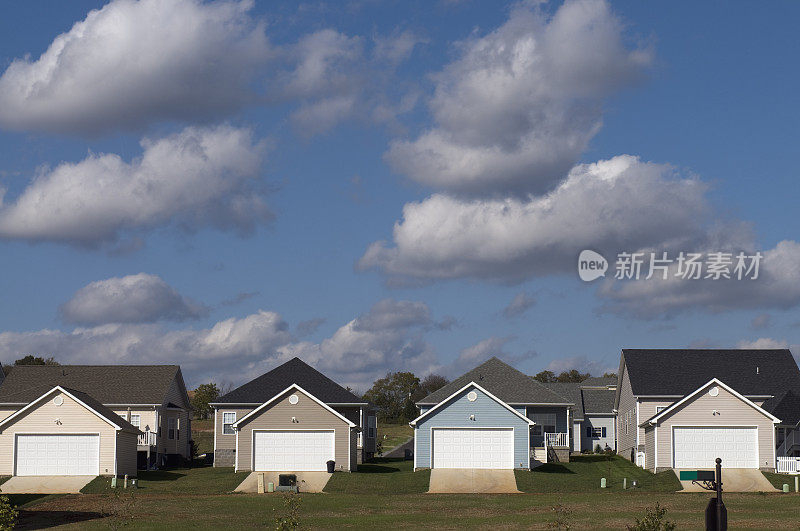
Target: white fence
{"type": "Point", "coordinates": [788, 465]}
{"type": "Point", "coordinates": [556, 439]}
{"type": "Point", "coordinates": [148, 438]}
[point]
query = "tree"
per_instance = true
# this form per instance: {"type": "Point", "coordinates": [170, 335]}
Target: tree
{"type": "Point", "coordinates": [609, 375]}
{"type": "Point", "coordinates": [431, 383]}
{"type": "Point", "coordinates": [30, 359]}
{"type": "Point", "coordinates": [392, 395]}
{"type": "Point", "coordinates": [203, 395]}
{"type": "Point", "coordinates": [572, 376]}
{"type": "Point", "coordinates": [545, 377]}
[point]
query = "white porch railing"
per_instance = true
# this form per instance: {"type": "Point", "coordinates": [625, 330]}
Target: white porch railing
{"type": "Point", "coordinates": [788, 465]}
{"type": "Point", "coordinates": [148, 438]}
{"type": "Point", "coordinates": [556, 439]}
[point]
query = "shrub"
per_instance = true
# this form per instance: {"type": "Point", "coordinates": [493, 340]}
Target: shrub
{"type": "Point", "coordinates": [653, 521]}
{"type": "Point", "coordinates": [598, 449]}
{"type": "Point", "coordinates": [8, 514]}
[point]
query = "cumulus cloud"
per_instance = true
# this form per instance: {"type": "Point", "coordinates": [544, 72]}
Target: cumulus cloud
{"type": "Point", "coordinates": [199, 177]}
{"type": "Point", "coordinates": [514, 112]}
{"type": "Point", "coordinates": [134, 62]}
{"type": "Point", "coordinates": [386, 338]}
{"type": "Point", "coordinates": [217, 353]}
{"type": "Point", "coordinates": [138, 298]}
{"type": "Point", "coordinates": [519, 305]}
{"type": "Point", "coordinates": [621, 203]}
{"type": "Point", "coordinates": [762, 343]}
{"type": "Point", "coordinates": [777, 286]}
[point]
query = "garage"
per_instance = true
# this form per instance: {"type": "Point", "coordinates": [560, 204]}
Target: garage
{"type": "Point", "coordinates": [698, 446]}
{"type": "Point", "coordinates": [57, 455]}
{"type": "Point", "coordinates": [292, 450]}
{"type": "Point", "coordinates": [473, 448]}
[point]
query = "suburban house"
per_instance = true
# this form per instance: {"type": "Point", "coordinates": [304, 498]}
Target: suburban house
{"type": "Point", "coordinates": [593, 418]}
{"type": "Point", "coordinates": [684, 408]}
{"type": "Point", "coordinates": [92, 419]}
{"type": "Point", "coordinates": [292, 419]}
{"type": "Point", "coordinates": [494, 416]}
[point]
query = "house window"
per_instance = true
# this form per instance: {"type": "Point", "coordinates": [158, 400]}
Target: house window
{"type": "Point", "coordinates": [372, 426]}
{"type": "Point", "coordinates": [659, 409]}
{"type": "Point", "coordinates": [171, 428]}
{"type": "Point", "coordinates": [227, 420]}
{"type": "Point", "coordinates": [136, 420]}
{"type": "Point", "coordinates": [595, 433]}
{"type": "Point", "coordinates": [178, 431]}
{"type": "Point", "coordinates": [544, 423]}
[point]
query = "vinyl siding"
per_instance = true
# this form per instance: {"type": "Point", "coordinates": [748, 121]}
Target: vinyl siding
{"type": "Point", "coordinates": [561, 420]}
{"type": "Point", "coordinates": [608, 422]}
{"type": "Point", "coordinates": [74, 419]}
{"type": "Point", "coordinates": [176, 445]}
{"type": "Point", "coordinates": [648, 407]}
{"type": "Point", "coordinates": [732, 412]}
{"type": "Point", "coordinates": [147, 417]}
{"type": "Point", "coordinates": [627, 403]}
{"type": "Point", "coordinates": [309, 415]}
{"type": "Point", "coordinates": [227, 442]}
{"type": "Point", "coordinates": [649, 447]}
{"type": "Point", "coordinates": [6, 411]}
{"type": "Point", "coordinates": [576, 441]}
{"type": "Point", "coordinates": [177, 394]}
{"type": "Point", "coordinates": [126, 453]}
{"type": "Point", "coordinates": [455, 414]}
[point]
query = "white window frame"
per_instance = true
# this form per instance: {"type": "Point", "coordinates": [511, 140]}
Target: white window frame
{"type": "Point", "coordinates": [136, 419]}
{"type": "Point", "coordinates": [231, 415]}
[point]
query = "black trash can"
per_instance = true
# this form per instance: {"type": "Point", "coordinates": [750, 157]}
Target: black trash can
{"type": "Point", "coordinates": [331, 466]}
{"type": "Point", "coordinates": [408, 455]}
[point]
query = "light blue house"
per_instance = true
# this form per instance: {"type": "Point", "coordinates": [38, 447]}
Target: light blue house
{"type": "Point", "coordinates": [494, 416]}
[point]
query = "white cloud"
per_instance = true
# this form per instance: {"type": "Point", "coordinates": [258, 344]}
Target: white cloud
{"type": "Point", "coordinates": [138, 298]}
{"type": "Point", "coordinates": [617, 204]}
{"type": "Point", "coordinates": [472, 356]}
{"type": "Point", "coordinates": [219, 353]}
{"type": "Point", "coordinates": [777, 286]}
{"type": "Point", "coordinates": [762, 343]}
{"type": "Point", "coordinates": [397, 47]}
{"type": "Point", "coordinates": [519, 304]}
{"type": "Point", "coordinates": [132, 63]}
{"type": "Point", "coordinates": [200, 177]}
{"type": "Point", "coordinates": [519, 106]}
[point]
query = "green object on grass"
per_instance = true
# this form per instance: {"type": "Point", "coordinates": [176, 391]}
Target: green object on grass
{"type": "Point", "coordinates": [602, 483]}
{"type": "Point", "coordinates": [785, 487]}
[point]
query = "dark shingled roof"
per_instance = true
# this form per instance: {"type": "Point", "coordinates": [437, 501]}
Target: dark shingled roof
{"type": "Point", "coordinates": [572, 395]}
{"type": "Point", "coordinates": [598, 400]}
{"type": "Point", "coordinates": [599, 381]}
{"type": "Point", "coordinates": [751, 372]}
{"type": "Point", "coordinates": [785, 406]}
{"type": "Point", "coordinates": [294, 371]}
{"type": "Point", "coordinates": [503, 381]}
{"type": "Point", "coordinates": [108, 384]}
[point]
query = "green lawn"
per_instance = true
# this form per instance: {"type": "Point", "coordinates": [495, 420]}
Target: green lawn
{"type": "Point", "coordinates": [384, 476]}
{"type": "Point", "coordinates": [199, 480]}
{"type": "Point", "coordinates": [203, 434]}
{"type": "Point", "coordinates": [778, 480]}
{"type": "Point", "coordinates": [583, 474]}
{"type": "Point", "coordinates": [391, 435]}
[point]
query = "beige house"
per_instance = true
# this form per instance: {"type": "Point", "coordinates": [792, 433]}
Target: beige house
{"type": "Point", "coordinates": [683, 408]}
{"type": "Point", "coordinates": [292, 419]}
{"type": "Point", "coordinates": [67, 433]}
{"type": "Point", "coordinates": [152, 398]}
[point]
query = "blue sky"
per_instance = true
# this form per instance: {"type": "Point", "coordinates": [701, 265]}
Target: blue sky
{"type": "Point", "coordinates": [370, 185]}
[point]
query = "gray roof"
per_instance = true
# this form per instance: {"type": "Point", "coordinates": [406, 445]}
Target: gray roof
{"type": "Point", "coordinates": [599, 381]}
{"type": "Point", "coordinates": [107, 384]}
{"type": "Point", "coordinates": [598, 401]}
{"type": "Point", "coordinates": [785, 406]}
{"type": "Point", "coordinates": [294, 371]}
{"type": "Point", "coordinates": [572, 394]}
{"type": "Point", "coordinates": [503, 381]}
{"type": "Point", "coordinates": [678, 372]}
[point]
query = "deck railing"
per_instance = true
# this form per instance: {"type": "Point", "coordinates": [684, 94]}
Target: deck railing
{"type": "Point", "coordinates": [792, 439]}
{"type": "Point", "coordinates": [148, 438]}
{"type": "Point", "coordinates": [556, 439]}
{"type": "Point", "coordinates": [788, 465]}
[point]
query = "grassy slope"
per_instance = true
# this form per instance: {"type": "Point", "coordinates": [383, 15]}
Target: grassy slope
{"type": "Point", "coordinates": [396, 434]}
{"type": "Point", "coordinates": [778, 480]}
{"type": "Point", "coordinates": [583, 474]}
{"type": "Point", "coordinates": [203, 434]}
{"type": "Point", "coordinates": [204, 480]}
{"type": "Point", "coordinates": [384, 476]}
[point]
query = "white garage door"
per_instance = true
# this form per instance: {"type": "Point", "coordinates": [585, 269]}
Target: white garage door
{"type": "Point", "coordinates": [697, 447]}
{"type": "Point", "coordinates": [57, 455]}
{"type": "Point", "coordinates": [292, 450]}
{"type": "Point", "coordinates": [473, 448]}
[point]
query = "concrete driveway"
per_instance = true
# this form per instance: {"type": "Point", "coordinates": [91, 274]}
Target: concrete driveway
{"type": "Point", "coordinates": [306, 481]}
{"type": "Point", "coordinates": [469, 480]}
{"type": "Point", "coordinates": [45, 484]}
{"type": "Point", "coordinates": [735, 480]}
